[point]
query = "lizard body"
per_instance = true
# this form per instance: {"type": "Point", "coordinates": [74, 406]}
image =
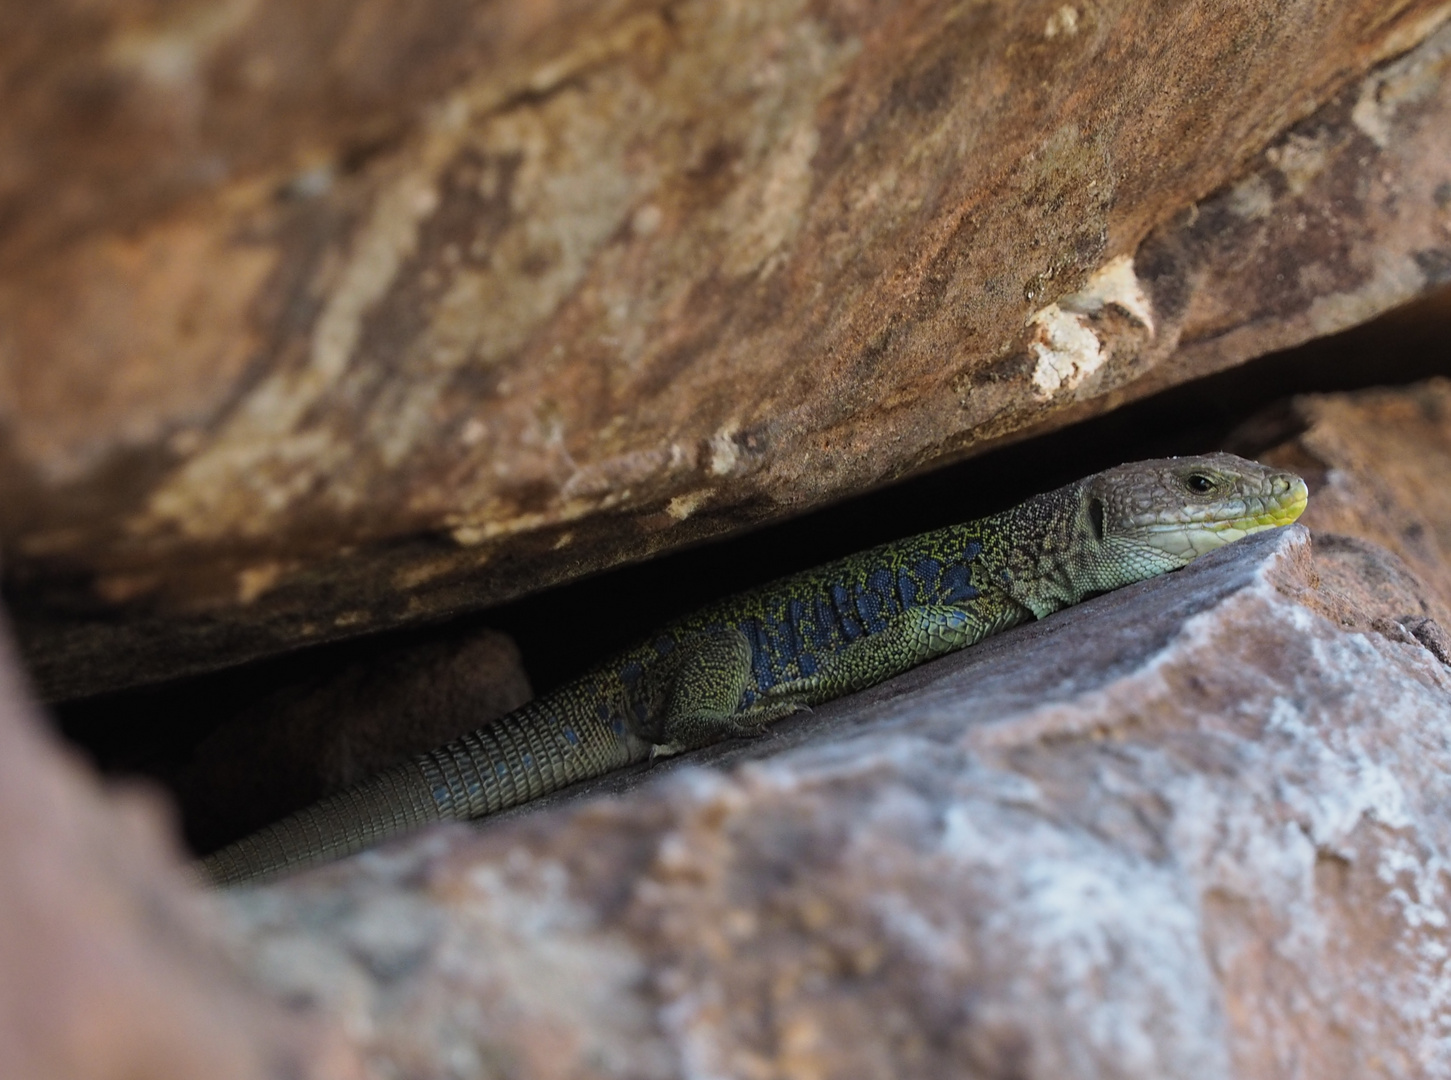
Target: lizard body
{"type": "Point", "coordinates": [734, 666]}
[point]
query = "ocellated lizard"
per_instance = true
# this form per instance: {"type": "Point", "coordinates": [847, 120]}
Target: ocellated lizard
{"type": "Point", "coordinates": [736, 665]}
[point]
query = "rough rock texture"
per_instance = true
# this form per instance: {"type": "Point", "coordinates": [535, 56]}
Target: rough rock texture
{"type": "Point", "coordinates": [1195, 828]}
{"type": "Point", "coordinates": [109, 968]}
{"type": "Point", "coordinates": [321, 318]}
{"type": "Point", "coordinates": [1377, 463]}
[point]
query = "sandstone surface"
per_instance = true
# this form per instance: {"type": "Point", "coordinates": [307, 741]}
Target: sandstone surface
{"type": "Point", "coordinates": [318, 319]}
{"type": "Point", "coordinates": [1195, 828]}
{"type": "Point", "coordinates": [1377, 462]}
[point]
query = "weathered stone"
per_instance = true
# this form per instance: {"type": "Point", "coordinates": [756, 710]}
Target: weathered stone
{"type": "Point", "coordinates": [1195, 828]}
{"type": "Point", "coordinates": [320, 319]}
{"type": "Point", "coordinates": [1377, 462]}
{"type": "Point", "coordinates": [109, 966]}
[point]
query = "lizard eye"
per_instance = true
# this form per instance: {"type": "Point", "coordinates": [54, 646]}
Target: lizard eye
{"type": "Point", "coordinates": [1199, 483]}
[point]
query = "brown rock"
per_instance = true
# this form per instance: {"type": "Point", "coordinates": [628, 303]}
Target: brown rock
{"type": "Point", "coordinates": [1194, 828]}
{"type": "Point", "coordinates": [109, 965]}
{"type": "Point", "coordinates": [320, 321]}
{"type": "Point", "coordinates": [1376, 463]}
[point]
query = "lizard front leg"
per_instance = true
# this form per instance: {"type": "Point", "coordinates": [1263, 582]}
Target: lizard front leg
{"type": "Point", "coordinates": [915, 636]}
{"type": "Point", "coordinates": [704, 701]}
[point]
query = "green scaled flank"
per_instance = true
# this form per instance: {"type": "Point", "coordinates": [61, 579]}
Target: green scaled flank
{"type": "Point", "coordinates": [734, 666]}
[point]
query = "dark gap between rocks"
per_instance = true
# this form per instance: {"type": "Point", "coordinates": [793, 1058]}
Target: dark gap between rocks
{"type": "Point", "coordinates": [156, 731]}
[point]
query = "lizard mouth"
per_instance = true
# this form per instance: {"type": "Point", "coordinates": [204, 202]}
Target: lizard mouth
{"type": "Point", "coordinates": [1249, 515]}
{"type": "Point", "coordinates": [1209, 527]}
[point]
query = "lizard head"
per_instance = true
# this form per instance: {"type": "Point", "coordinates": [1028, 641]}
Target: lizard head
{"type": "Point", "coordinates": [1163, 514]}
{"type": "Point", "coordinates": [1136, 521]}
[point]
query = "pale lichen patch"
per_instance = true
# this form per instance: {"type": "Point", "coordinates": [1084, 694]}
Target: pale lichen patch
{"type": "Point", "coordinates": [413, 575]}
{"type": "Point", "coordinates": [254, 581]}
{"type": "Point", "coordinates": [570, 192]}
{"type": "Point", "coordinates": [1411, 79]}
{"type": "Point", "coordinates": [1116, 284]}
{"type": "Point", "coordinates": [1067, 346]}
{"type": "Point", "coordinates": [473, 432]}
{"type": "Point", "coordinates": [682, 506]}
{"type": "Point", "coordinates": [1066, 350]}
{"type": "Point", "coordinates": [646, 220]}
{"type": "Point", "coordinates": [1252, 198]}
{"type": "Point", "coordinates": [725, 454]}
{"type": "Point", "coordinates": [1392, 278]}
{"type": "Point", "coordinates": [489, 522]}
{"type": "Point", "coordinates": [615, 474]}
{"type": "Point", "coordinates": [469, 535]}
{"type": "Point", "coordinates": [1062, 23]}
{"type": "Point", "coordinates": [1300, 159]}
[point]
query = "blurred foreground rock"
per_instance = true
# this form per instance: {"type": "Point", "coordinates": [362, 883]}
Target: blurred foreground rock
{"type": "Point", "coordinates": [318, 319]}
{"type": "Point", "coordinates": [1196, 828]}
{"type": "Point", "coordinates": [109, 966]}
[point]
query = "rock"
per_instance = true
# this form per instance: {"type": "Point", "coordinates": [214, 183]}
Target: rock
{"type": "Point", "coordinates": [111, 966]}
{"type": "Point", "coordinates": [1195, 828]}
{"type": "Point", "coordinates": [243, 748]}
{"type": "Point", "coordinates": [323, 320]}
{"type": "Point", "coordinates": [1376, 463]}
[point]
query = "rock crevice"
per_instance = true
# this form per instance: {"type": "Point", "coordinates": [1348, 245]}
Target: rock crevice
{"type": "Point", "coordinates": [1193, 828]}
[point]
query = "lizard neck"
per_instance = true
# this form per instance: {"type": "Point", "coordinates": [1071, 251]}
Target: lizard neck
{"type": "Point", "coordinates": [1043, 551]}
{"type": "Point", "coordinates": [1054, 552]}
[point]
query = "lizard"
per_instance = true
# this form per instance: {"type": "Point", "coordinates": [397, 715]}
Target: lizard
{"type": "Point", "coordinates": [731, 668]}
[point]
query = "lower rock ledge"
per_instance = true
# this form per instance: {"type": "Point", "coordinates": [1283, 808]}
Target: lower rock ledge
{"type": "Point", "coordinates": [1195, 828]}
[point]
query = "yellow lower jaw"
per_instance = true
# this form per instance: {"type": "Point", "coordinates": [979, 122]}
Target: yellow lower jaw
{"type": "Point", "coordinates": [1285, 514]}
{"type": "Point", "coordinates": [1200, 538]}
{"type": "Point", "coordinates": [1210, 535]}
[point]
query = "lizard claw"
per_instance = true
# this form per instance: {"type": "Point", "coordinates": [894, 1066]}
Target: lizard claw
{"type": "Point", "coordinates": [660, 751]}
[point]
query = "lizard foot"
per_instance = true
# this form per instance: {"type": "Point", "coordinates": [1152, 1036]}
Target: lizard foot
{"type": "Point", "coordinates": [758, 717]}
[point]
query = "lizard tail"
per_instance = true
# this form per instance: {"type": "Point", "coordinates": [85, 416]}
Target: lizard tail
{"type": "Point", "coordinates": [519, 757]}
{"type": "Point", "coordinates": [381, 806]}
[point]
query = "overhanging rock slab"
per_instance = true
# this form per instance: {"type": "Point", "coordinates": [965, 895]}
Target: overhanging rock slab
{"type": "Point", "coordinates": [320, 320]}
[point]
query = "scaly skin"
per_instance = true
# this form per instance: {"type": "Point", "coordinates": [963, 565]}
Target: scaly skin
{"type": "Point", "coordinates": [734, 666]}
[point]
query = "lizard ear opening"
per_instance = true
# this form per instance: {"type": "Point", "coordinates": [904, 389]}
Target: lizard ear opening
{"type": "Point", "coordinates": [1095, 518]}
